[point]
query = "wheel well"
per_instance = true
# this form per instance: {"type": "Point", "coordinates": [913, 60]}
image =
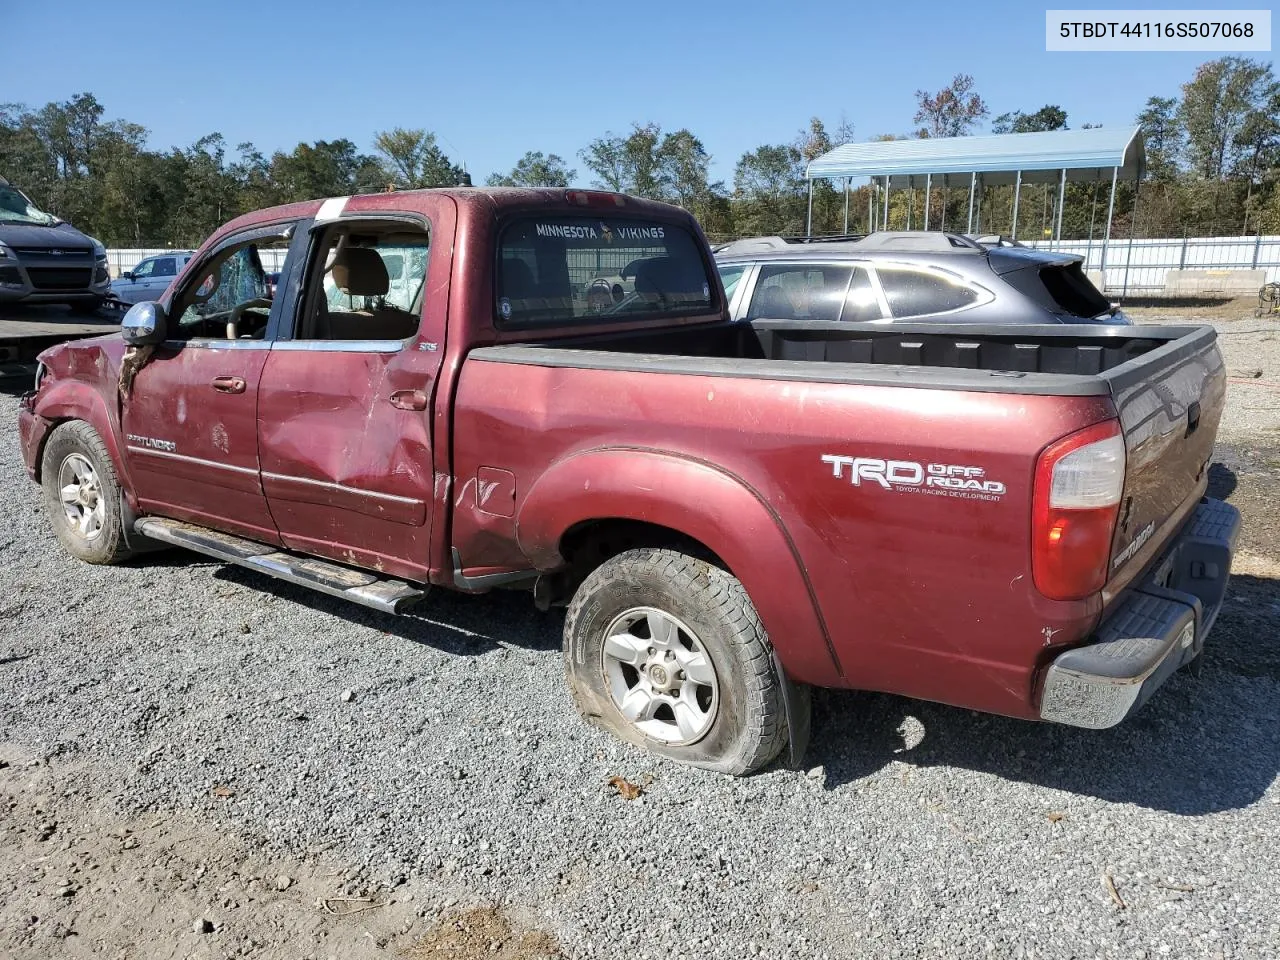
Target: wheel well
{"type": "Point", "coordinates": [587, 545]}
{"type": "Point", "coordinates": [591, 543]}
{"type": "Point", "coordinates": [38, 462]}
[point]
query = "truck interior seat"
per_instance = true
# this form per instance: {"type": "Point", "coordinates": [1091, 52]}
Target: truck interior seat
{"type": "Point", "coordinates": [361, 272]}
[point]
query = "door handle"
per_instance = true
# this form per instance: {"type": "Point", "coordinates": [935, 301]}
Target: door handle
{"type": "Point", "coordinates": [409, 399]}
{"type": "Point", "coordinates": [229, 384]}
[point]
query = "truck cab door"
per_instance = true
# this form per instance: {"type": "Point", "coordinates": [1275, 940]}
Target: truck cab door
{"type": "Point", "coordinates": [190, 421]}
{"type": "Point", "coordinates": [345, 415]}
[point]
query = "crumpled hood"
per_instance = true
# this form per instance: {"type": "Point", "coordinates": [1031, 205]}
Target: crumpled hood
{"type": "Point", "coordinates": [64, 235]}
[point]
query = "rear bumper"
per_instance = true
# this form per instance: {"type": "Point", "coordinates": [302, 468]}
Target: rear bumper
{"type": "Point", "coordinates": [1160, 626]}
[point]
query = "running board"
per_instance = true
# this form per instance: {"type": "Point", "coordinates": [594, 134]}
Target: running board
{"type": "Point", "coordinates": [358, 586]}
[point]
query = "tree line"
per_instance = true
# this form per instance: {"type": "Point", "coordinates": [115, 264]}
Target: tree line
{"type": "Point", "coordinates": [1213, 153]}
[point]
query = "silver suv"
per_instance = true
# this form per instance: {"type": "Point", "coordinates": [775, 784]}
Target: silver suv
{"type": "Point", "coordinates": [895, 275]}
{"type": "Point", "coordinates": [150, 278]}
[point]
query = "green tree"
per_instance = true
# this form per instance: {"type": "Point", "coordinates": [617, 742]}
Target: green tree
{"type": "Point", "coordinates": [951, 112]}
{"type": "Point", "coordinates": [1257, 147]}
{"type": "Point", "coordinates": [535, 169]}
{"type": "Point", "coordinates": [627, 164]}
{"type": "Point", "coordinates": [202, 191]}
{"type": "Point", "coordinates": [812, 142]}
{"type": "Point", "coordinates": [326, 168]}
{"type": "Point", "coordinates": [1163, 135]}
{"type": "Point", "coordinates": [648, 163]}
{"type": "Point", "coordinates": [1049, 117]}
{"type": "Point", "coordinates": [1216, 102]}
{"type": "Point", "coordinates": [413, 159]}
{"type": "Point", "coordinates": [128, 202]}
{"type": "Point", "coordinates": [769, 190]}
{"type": "Point", "coordinates": [683, 170]}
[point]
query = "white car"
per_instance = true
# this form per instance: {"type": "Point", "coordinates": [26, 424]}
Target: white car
{"type": "Point", "coordinates": [151, 277]}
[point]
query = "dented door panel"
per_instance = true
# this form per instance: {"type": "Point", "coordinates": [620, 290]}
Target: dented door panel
{"type": "Point", "coordinates": [347, 473]}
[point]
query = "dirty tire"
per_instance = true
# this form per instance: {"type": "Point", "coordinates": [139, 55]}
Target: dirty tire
{"type": "Point", "coordinates": [749, 726]}
{"type": "Point", "coordinates": [72, 439]}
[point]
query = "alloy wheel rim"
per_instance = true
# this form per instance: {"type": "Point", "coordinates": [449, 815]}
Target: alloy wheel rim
{"type": "Point", "coordinates": [660, 676]}
{"type": "Point", "coordinates": [81, 494]}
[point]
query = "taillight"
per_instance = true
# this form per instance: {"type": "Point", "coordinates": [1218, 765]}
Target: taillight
{"type": "Point", "coordinates": [1078, 486]}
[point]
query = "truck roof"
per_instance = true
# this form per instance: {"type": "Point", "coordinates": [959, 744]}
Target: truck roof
{"type": "Point", "coordinates": [495, 198]}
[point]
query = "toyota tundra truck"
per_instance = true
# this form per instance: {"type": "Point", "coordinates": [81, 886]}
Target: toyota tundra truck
{"type": "Point", "coordinates": [1008, 519]}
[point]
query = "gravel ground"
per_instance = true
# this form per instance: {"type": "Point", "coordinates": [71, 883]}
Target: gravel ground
{"type": "Point", "coordinates": [243, 730]}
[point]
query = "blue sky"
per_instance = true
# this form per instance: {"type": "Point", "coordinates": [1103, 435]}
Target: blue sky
{"type": "Point", "coordinates": [496, 79]}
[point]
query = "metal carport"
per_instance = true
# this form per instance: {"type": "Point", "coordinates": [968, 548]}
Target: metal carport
{"type": "Point", "coordinates": [1091, 155]}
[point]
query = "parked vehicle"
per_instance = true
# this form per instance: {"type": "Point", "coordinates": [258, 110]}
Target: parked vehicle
{"type": "Point", "coordinates": [1007, 520]}
{"type": "Point", "coordinates": [908, 275]}
{"type": "Point", "coordinates": [149, 279]}
{"type": "Point", "coordinates": [44, 259]}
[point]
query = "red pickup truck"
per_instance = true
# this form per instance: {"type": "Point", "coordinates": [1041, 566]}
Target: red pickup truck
{"type": "Point", "coordinates": [1007, 519]}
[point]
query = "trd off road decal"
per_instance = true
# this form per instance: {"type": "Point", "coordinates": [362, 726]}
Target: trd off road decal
{"type": "Point", "coordinates": [907, 476]}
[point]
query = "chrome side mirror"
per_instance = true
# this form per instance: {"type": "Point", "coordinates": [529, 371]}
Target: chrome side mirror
{"type": "Point", "coordinates": [144, 325]}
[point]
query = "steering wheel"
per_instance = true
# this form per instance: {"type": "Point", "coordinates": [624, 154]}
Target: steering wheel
{"type": "Point", "coordinates": [233, 321]}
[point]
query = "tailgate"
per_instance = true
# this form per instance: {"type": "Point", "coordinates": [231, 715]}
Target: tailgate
{"type": "Point", "coordinates": [1169, 402]}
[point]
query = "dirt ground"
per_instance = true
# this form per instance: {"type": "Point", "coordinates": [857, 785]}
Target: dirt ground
{"type": "Point", "coordinates": [78, 880]}
{"type": "Point", "coordinates": [1206, 308]}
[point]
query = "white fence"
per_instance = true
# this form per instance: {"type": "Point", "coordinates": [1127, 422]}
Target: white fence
{"type": "Point", "coordinates": [1141, 266]}
{"type": "Point", "coordinates": [120, 260]}
{"type": "Point", "coordinates": [1138, 266]}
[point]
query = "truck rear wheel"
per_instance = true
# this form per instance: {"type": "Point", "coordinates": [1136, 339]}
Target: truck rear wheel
{"type": "Point", "coordinates": [666, 651]}
{"type": "Point", "coordinates": [82, 494]}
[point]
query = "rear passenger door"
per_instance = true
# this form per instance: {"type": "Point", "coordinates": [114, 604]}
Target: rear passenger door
{"type": "Point", "coordinates": [345, 416]}
{"type": "Point", "coordinates": [814, 291]}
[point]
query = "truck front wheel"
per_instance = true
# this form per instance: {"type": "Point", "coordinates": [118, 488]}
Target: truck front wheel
{"type": "Point", "coordinates": [667, 651]}
{"type": "Point", "coordinates": [82, 495]}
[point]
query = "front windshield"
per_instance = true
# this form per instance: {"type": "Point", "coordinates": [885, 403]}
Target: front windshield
{"type": "Point", "coordinates": [16, 208]}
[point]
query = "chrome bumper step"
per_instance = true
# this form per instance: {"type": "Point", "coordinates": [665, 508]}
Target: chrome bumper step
{"type": "Point", "coordinates": [358, 586]}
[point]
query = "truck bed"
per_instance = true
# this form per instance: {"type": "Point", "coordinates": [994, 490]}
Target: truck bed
{"type": "Point", "coordinates": [770, 404]}
{"type": "Point", "coordinates": [1049, 360]}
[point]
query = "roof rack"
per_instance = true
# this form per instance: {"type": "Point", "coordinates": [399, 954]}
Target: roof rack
{"type": "Point", "coordinates": [918, 240]}
{"type": "Point", "coordinates": [761, 244]}
{"type": "Point", "coordinates": [835, 238]}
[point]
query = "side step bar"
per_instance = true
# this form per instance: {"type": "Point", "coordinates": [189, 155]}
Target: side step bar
{"type": "Point", "coordinates": [358, 586]}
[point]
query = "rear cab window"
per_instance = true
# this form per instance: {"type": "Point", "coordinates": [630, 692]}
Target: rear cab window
{"type": "Point", "coordinates": [557, 270]}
